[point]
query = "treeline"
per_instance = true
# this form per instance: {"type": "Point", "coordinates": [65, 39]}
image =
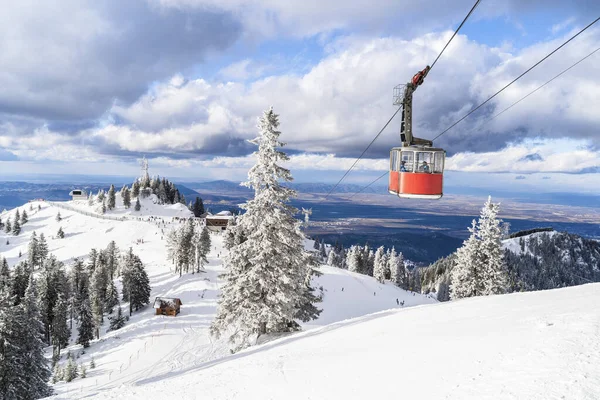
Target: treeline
{"type": "Point", "coordinates": [188, 247]}
{"type": "Point", "coordinates": [529, 232]}
{"type": "Point", "coordinates": [381, 263]}
{"type": "Point", "coordinates": [13, 227]}
{"type": "Point", "coordinates": [165, 191]}
{"type": "Point", "coordinates": [42, 310]}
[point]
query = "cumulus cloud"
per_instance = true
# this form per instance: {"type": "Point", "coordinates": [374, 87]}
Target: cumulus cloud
{"type": "Point", "coordinates": [559, 156]}
{"type": "Point", "coordinates": [339, 104]}
{"type": "Point", "coordinates": [71, 62]}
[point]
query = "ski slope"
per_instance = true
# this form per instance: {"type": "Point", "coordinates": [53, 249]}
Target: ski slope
{"type": "Point", "coordinates": [536, 345]}
{"type": "Point", "coordinates": [150, 346]}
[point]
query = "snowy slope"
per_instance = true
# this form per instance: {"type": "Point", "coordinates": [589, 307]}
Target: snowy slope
{"type": "Point", "coordinates": [538, 345]}
{"type": "Point", "coordinates": [150, 346]}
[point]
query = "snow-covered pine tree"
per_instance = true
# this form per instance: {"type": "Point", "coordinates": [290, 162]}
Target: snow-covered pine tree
{"type": "Point", "coordinates": [33, 251]}
{"type": "Point", "coordinates": [16, 225]}
{"type": "Point", "coordinates": [5, 280]}
{"type": "Point", "coordinates": [103, 208]}
{"type": "Point", "coordinates": [70, 371]}
{"type": "Point", "coordinates": [34, 368]}
{"type": "Point", "coordinates": [8, 226]}
{"type": "Point", "coordinates": [353, 259]}
{"type": "Point", "coordinates": [202, 247]}
{"type": "Point", "coordinates": [198, 208]}
{"type": "Point", "coordinates": [12, 381]}
{"type": "Point", "coordinates": [24, 218]}
{"type": "Point", "coordinates": [60, 234]}
{"type": "Point", "coordinates": [58, 217]}
{"type": "Point", "coordinates": [137, 206]}
{"type": "Point", "coordinates": [379, 266]}
{"type": "Point", "coordinates": [332, 258]}
{"type": "Point", "coordinates": [90, 199]}
{"type": "Point", "coordinates": [100, 196]}
{"type": "Point", "coordinates": [20, 281]}
{"type": "Point", "coordinates": [265, 275]}
{"type": "Point", "coordinates": [136, 284]}
{"type": "Point", "coordinates": [317, 244]}
{"type": "Point", "coordinates": [112, 297]}
{"type": "Point", "coordinates": [86, 324]}
{"type": "Point", "coordinates": [42, 250]}
{"type": "Point", "coordinates": [491, 253]}
{"type": "Point", "coordinates": [467, 279]}
{"type": "Point", "coordinates": [60, 329]}
{"type": "Point", "coordinates": [135, 189]}
{"type": "Point", "coordinates": [394, 266]}
{"type": "Point", "coordinates": [117, 321]}
{"type": "Point", "coordinates": [111, 204]}
{"type": "Point", "coordinates": [127, 198]}
{"type": "Point", "coordinates": [112, 258]}
{"type": "Point", "coordinates": [52, 283]}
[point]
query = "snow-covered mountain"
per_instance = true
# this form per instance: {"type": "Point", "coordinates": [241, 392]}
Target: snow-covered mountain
{"type": "Point", "coordinates": [150, 346]}
{"type": "Point", "coordinates": [536, 261]}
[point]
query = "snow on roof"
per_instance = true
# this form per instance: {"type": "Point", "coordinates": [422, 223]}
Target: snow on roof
{"type": "Point", "coordinates": [224, 213]}
{"type": "Point", "coordinates": [162, 302]}
{"type": "Point", "coordinates": [217, 216]}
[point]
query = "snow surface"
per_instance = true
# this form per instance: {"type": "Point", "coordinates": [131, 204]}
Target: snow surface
{"type": "Point", "coordinates": [151, 346]}
{"type": "Point", "coordinates": [536, 345]}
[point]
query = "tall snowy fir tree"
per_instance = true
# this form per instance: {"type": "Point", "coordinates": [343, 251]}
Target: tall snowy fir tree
{"type": "Point", "coordinates": [42, 249]}
{"type": "Point", "coordinates": [380, 265]}
{"type": "Point", "coordinates": [33, 255]}
{"type": "Point", "coordinates": [35, 367]}
{"type": "Point", "coordinates": [265, 277]}
{"type": "Point", "coordinates": [111, 198]}
{"type": "Point", "coordinates": [126, 197]}
{"type": "Point", "coordinates": [491, 253]}
{"type": "Point", "coordinates": [202, 247]}
{"type": "Point", "coordinates": [12, 381]}
{"type": "Point", "coordinates": [136, 284]}
{"type": "Point", "coordinates": [86, 324]}
{"type": "Point", "coordinates": [466, 278]}
{"type": "Point", "coordinates": [60, 329]}
{"type": "Point", "coordinates": [5, 279]}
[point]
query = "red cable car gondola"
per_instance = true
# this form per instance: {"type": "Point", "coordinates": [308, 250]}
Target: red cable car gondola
{"type": "Point", "coordinates": [416, 168]}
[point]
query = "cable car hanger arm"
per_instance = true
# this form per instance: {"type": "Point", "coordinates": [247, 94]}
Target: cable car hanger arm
{"type": "Point", "coordinates": [405, 102]}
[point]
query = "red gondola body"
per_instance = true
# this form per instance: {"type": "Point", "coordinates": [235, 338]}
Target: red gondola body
{"type": "Point", "coordinates": [408, 176]}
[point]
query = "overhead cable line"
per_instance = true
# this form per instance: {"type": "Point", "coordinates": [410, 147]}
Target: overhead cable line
{"type": "Point", "coordinates": [503, 111]}
{"type": "Point", "coordinates": [393, 115]}
{"type": "Point", "coordinates": [456, 31]}
{"type": "Point", "coordinates": [516, 79]}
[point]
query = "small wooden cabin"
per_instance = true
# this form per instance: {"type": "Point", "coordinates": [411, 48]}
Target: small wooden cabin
{"type": "Point", "coordinates": [167, 306]}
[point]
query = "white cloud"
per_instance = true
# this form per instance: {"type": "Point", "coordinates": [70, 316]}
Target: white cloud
{"type": "Point", "coordinates": [543, 156]}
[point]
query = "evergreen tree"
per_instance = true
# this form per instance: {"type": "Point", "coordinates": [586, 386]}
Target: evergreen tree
{"type": "Point", "coordinates": [265, 279]}
{"type": "Point", "coordinates": [92, 363]}
{"type": "Point", "coordinates": [379, 265]}
{"type": "Point", "coordinates": [138, 206]}
{"type": "Point", "coordinates": [20, 281]}
{"type": "Point", "coordinates": [90, 199]}
{"type": "Point", "coordinates": [135, 189]}
{"type": "Point", "coordinates": [100, 196]}
{"type": "Point", "coordinates": [8, 227]}
{"type": "Point", "coordinates": [198, 208]}
{"type": "Point", "coordinates": [117, 321]}
{"type": "Point", "coordinates": [35, 367]}
{"type": "Point", "coordinates": [111, 198]}
{"type": "Point", "coordinates": [323, 251]}
{"type": "Point", "coordinates": [42, 250]}
{"type": "Point", "coordinates": [86, 324]}
{"type": "Point", "coordinates": [353, 259]}
{"type": "Point", "coordinates": [53, 282]}
{"type": "Point", "coordinates": [491, 253]}
{"type": "Point", "coordinates": [60, 234]}
{"type": "Point", "coordinates": [60, 330]}
{"type": "Point", "coordinates": [5, 280]}
{"type": "Point", "coordinates": [33, 256]}
{"type": "Point", "coordinates": [127, 198]}
{"type": "Point", "coordinates": [467, 279]}
{"type": "Point", "coordinates": [57, 374]}
{"type": "Point", "coordinates": [82, 371]}
{"type": "Point", "coordinates": [12, 357]}
{"type": "Point", "coordinates": [112, 297]}
{"type": "Point", "coordinates": [24, 218]}
{"type": "Point", "coordinates": [140, 286]}
{"type": "Point", "coordinates": [16, 226]}
{"type": "Point", "coordinates": [317, 244]}
{"type": "Point", "coordinates": [70, 371]}
{"type": "Point", "coordinates": [58, 217]}
{"type": "Point", "coordinates": [112, 258]}
{"type": "Point", "coordinates": [202, 245]}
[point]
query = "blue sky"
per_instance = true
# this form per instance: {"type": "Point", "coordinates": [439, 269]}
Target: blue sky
{"type": "Point", "coordinates": [183, 81]}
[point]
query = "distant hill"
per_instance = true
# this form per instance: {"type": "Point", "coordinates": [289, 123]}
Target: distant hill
{"type": "Point", "coordinates": [229, 187]}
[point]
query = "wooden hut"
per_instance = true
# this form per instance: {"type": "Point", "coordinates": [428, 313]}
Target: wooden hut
{"type": "Point", "coordinates": [167, 306]}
